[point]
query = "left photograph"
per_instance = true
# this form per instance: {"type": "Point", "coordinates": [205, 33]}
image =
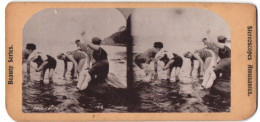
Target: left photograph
{"type": "Point", "coordinates": [75, 61]}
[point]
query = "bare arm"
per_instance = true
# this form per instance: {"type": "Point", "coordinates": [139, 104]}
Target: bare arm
{"type": "Point", "coordinates": [32, 66]}
{"type": "Point", "coordinates": [87, 62]}
{"type": "Point", "coordinates": [93, 47]}
{"type": "Point", "coordinates": [168, 64]}
{"type": "Point", "coordinates": [42, 66]}
{"type": "Point", "coordinates": [155, 66]}
{"type": "Point", "coordinates": [219, 45]}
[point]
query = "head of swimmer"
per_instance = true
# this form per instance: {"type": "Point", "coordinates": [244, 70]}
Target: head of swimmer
{"type": "Point", "coordinates": [188, 54]}
{"type": "Point", "coordinates": [61, 56]}
{"type": "Point", "coordinates": [158, 45]}
{"type": "Point", "coordinates": [77, 42]}
{"type": "Point", "coordinates": [205, 41]}
{"type": "Point", "coordinates": [96, 41]}
{"type": "Point", "coordinates": [31, 47]}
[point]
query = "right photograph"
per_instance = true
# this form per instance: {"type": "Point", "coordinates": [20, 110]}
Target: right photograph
{"type": "Point", "coordinates": [181, 61]}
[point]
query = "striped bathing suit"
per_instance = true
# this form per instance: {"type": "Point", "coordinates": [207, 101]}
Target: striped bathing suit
{"type": "Point", "coordinates": [84, 47]}
{"type": "Point", "coordinates": [212, 47]}
{"type": "Point", "coordinates": [203, 54]}
{"type": "Point", "coordinates": [77, 55]}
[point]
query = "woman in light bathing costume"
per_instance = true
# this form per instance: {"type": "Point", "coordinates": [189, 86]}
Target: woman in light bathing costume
{"type": "Point", "coordinates": [100, 68]}
{"type": "Point", "coordinates": [223, 66]}
{"type": "Point", "coordinates": [204, 56]}
{"type": "Point", "coordinates": [171, 60]}
{"type": "Point", "coordinates": [30, 48]}
{"type": "Point", "coordinates": [144, 59]}
{"type": "Point", "coordinates": [78, 60]}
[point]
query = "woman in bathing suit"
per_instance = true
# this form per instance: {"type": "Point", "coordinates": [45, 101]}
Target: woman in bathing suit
{"type": "Point", "coordinates": [78, 60]}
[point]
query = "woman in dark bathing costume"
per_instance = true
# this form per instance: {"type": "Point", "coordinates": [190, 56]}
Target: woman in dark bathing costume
{"type": "Point", "coordinates": [171, 60]}
{"type": "Point", "coordinates": [100, 68]}
{"type": "Point", "coordinates": [223, 66]}
{"type": "Point", "coordinates": [44, 62]}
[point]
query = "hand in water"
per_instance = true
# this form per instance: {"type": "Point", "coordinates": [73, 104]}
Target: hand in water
{"type": "Point", "coordinates": [164, 68]}
{"type": "Point", "coordinates": [156, 76]}
{"type": "Point", "coordinates": [191, 75]}
{"type": "Point", "coordinates": [74, 77]}
{"type": "Point", "coordinates": [64, 77]}
{"type": "Point", "coordinates": [37, 70]}
{"type": "Point", "coordinates": [76, 89]}
{"type": "Point", "coordinates": [201, 74]}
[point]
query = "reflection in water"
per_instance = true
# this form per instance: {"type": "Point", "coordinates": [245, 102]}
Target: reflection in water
{"type": "Point", "coordinates": [154, 96]}
{"type": "Point", "coordinates": [61, 97]}
{"type": "Point", "coordinates": [162, 96]}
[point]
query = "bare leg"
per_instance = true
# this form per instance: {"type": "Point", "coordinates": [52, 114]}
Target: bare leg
{"type": "Point", "coordinates": [146, 68]}
{"type": "Point", "coordinates": [42, 75]}
{"type": "Point", "coordinates": [169, 72]}
{"type": "Point", "coordinates": [147, 72]}
{"type": "Point", "coordinates": [72, 71]}
{"type": "Point", "coordinates": [206, 77]}
{"type": "Point", "coordinates": [211, 80]}
{"type": "Point", "coordinates": [25, 72]}
{"type": "Point", "coordinates": [208, 69]}
{"type": "Point", "coordinates": [28, 72]}
{"type": "Point", "coordinates": [81, 64]}
{"type": "Point", "coordinates": [207, 63]}
{"type": "Point", "coordinates": [86, 63]}
{"type": "Point", "coordinates": [82, 76]}
{"type": "Point", "coordinates": [85, 82]}
{"type": "Point", "coordinates": [51, 70]}
{"type": "Point", "coordinates": [208, 72]}
{"type": "Point", "coordinates": [177, 72]}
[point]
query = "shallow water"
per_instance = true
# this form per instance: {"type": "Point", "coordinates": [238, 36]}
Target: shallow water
{"type": "Point", "coordinates": [154, 96]}
{"type": "Point", "coordinates": [158, 95]}
{"type": "Point", "coordinates": [162, 96]}
{"type": "Point", "coordinates": [60, 97]}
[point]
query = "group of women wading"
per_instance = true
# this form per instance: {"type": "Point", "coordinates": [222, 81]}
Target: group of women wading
{"type": "Point", "coordinates": [91, 65]}
{"type": "Point", "coordinates": [90, 62]}
{"type": "Point", "coordinates": [214, 61]}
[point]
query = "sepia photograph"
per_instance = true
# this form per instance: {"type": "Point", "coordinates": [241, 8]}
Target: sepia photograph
{"type": "Point", "coordinates": [84, 60]}
{"type": "Point", "coordinates": [74, 61]}
{"type": "Point", "coordinates": [181, 60]}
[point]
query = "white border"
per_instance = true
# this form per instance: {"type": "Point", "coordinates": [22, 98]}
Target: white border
{"type": "Point", "coordinates": [6, 118]}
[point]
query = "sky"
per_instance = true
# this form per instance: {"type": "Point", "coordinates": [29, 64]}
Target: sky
{"type": "Point", "coordinates": [180, 29]}
{"type": "Point", "coordinates": [55, 30]}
